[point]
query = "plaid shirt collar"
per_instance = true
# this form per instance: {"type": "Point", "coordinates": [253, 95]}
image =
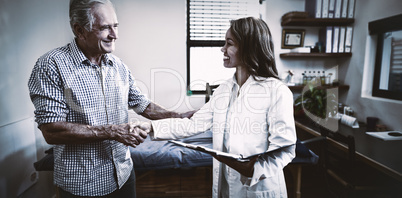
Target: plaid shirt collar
{"type": "Point", "coordinates": [80, 58]}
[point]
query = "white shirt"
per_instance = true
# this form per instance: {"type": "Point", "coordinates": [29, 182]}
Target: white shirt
{"type": "Point", "coordinates": [259, 119]}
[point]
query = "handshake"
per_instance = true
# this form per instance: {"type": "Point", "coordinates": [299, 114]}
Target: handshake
{"type": "Point", "coordinates": [131, 134]}
{"type": "Point", "coordinates": [134, 133]}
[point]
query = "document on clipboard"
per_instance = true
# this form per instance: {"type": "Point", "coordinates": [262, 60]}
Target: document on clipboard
{"type": "Point", "coordinates": [212, 152]}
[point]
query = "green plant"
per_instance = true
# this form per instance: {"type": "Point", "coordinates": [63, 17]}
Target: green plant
{"type": "Point", "coordinates": [318, 101]}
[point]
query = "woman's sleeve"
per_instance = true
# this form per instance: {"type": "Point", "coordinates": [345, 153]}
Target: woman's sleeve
{"type": "Point", "coordinates": [282, 133]}
{"type": "Point", "coordinates": [176, 128]}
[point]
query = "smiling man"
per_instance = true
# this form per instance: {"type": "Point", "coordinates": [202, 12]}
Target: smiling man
{"type": "Point", "coordinates": [100, 39]}
{"type": "Point", "coordinates": [82, 94]}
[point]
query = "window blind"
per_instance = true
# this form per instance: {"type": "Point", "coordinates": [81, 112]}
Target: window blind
{"type": "Point", "coordinates": [207, 23]}
{"type": "Point", "coordinates": [396, 55]}
{"type": "Point", "coordinates": [209, 20]}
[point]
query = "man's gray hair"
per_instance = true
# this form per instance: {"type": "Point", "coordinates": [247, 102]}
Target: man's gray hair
{"type": "Point", "coordinates": [80, 12]}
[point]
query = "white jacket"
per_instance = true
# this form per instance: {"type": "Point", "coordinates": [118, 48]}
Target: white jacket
{"type": "Point", "coordinates": [260, 119]}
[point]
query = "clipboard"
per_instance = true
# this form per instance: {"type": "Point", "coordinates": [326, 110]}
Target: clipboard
{"type": "Point", "coordinates": [239, 158]}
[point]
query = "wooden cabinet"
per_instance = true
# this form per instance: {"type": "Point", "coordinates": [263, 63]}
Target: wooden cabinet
{"type": "Point", "coordinates": [301, 87]}
{"type": "Point", "coordinates": [317, 55]}
{"type": "Point", "coordinates": [315, 22]}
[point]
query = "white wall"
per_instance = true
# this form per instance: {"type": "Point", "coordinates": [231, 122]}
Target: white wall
{"type": "Point", "coordinates": [28, 29]}
{"type": "Point", "coordinates": [153, 43]}
{"type": "Point", "coordinates": [388, 112]}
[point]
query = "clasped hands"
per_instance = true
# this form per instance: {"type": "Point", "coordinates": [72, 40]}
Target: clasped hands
{"type": "Point", "coordinates": [133, 133]}
{"type": "Point", "coordinates": [136, 132]}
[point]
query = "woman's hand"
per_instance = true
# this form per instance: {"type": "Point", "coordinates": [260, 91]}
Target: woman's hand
{"type": "Point", "coordinates": [142, 126]}
{"type": "Point", "coordinates": [244, 168]}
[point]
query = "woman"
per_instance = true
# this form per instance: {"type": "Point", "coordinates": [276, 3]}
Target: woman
{"type": "Point", "coordinates": [248, 114]}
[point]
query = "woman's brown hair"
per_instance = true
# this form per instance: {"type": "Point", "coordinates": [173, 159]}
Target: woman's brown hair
{"type": "Point", "coordinates": [256, 48]}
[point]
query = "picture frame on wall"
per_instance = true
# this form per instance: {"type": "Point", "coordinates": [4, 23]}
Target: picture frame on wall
{"type": "Point", "coordinates": [292, 38]}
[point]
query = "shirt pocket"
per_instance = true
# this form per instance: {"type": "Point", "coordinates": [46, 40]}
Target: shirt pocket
{"type": "Point", "coordinates": [263, 194]}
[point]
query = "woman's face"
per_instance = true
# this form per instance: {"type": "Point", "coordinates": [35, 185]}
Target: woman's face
{"type": "Point", "coordinates": [230, 52]}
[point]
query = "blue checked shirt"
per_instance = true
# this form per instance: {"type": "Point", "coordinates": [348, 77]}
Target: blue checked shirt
{"type": "Point", "coordinates": [66, 86]}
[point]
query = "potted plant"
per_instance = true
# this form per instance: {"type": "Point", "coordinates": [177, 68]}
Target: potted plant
{"type": "Point", "coordinates": [318, 104]}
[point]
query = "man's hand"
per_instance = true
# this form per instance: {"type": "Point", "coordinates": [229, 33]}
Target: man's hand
{"type": "Point", "coordinates": [157, 112]}
{"type": "Point", "coordinates": [73, 133]}
{"type": "Point", "coordinates": [130, 134]}
{"type": "Point", "coordinates": [244, 168]}
{"type": "Point", "coordinates": [188, 114]}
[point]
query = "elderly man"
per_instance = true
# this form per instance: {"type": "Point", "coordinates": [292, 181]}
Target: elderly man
{"type": "Point", "coordinates": [82, 93]}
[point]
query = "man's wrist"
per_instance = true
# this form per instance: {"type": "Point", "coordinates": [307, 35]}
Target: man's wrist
{"type": "Point", "coordinates": [93, 131]}
{"type": "Point", "coordinates": [103, 132]}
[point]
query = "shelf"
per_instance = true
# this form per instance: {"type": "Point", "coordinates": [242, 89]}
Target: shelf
{"type": "Point", "coordinates": [300, 87]}
{"type": "Point", "coordinates": [316, 22]}
{"type": "Point", "coordinates": [331, 55]}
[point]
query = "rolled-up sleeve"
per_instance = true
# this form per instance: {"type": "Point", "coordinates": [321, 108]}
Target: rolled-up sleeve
{"type": "Point", "coordinates": [175, 128]}
{"type": "Point", "coordinates": [47, 93]}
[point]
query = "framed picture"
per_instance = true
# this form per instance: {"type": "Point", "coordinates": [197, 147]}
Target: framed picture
{"type": "Point", "coordinates": [292, 38]}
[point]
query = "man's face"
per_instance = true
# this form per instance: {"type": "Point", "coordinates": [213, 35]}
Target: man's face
{"type": "Point", "coordinates": [101, 39]}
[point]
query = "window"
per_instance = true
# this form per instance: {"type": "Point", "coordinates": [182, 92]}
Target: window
{"type": "Point", "coordinates": [388, 61]}
{"type": "Point", "coordinates": [207, 23]}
